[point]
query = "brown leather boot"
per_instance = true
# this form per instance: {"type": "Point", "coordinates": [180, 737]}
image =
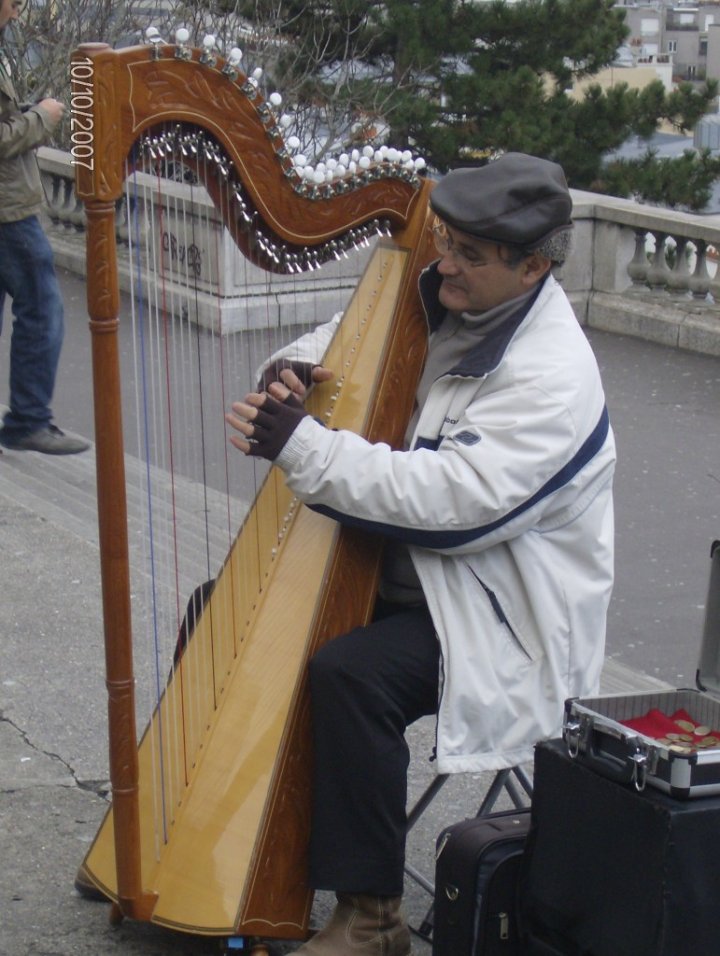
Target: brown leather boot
{"type": "Point", "coordinates": [362, 926]}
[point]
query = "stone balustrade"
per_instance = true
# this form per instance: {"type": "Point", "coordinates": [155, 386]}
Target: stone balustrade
{"type": "Point", "coordinates": [634, 269]}
{"type": "Point", "coordinates": [646, 271]}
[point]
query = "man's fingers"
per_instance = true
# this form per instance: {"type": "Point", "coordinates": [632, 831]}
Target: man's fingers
{"type": "Point", "coordinates": [241, 425]}
{"type": "Point", "coordinates": [281, 392]}
{"type": "Point", "coordinates": [265, 422]}
{"type": "Point", "coordinates": [240, 444]}
{"type": "Point", "coordinates": [292, 382]}
{"type": "Point", "coordinates": [244, 413]}
{"type": "Point", "coordinates": [322, 374]}
{"type": "Point", "coordinates": [248, 407]}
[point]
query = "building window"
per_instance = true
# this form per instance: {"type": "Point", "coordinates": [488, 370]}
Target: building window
{"type": "Point", "coordinates": [672, 46]}
{"type": "Point", "coordinates": [649, 27]}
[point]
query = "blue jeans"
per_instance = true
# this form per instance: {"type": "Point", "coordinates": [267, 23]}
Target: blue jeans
{"type": "Point", "coordinates": [27, 275]}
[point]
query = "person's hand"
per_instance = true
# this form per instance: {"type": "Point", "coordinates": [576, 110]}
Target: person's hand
{"type": "Point", "coordinates": [266, 421]}
{"type": "Point", "coordinates": [54, 108]}
{"type": "Point", "coordinates": [297, 376]}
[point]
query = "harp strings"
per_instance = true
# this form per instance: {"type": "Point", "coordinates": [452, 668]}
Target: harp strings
{"type": "Point", "coordinates": [191, 489]}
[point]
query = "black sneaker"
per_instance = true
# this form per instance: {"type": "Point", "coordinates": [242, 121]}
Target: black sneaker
{"type": "Point", "coordinates": [49, 441]}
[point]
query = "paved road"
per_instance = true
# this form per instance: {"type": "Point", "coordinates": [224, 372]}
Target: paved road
{"type": "Point", "coordinates": [665, 406]}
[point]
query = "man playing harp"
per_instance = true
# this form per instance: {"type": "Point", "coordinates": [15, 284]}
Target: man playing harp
{"type": "Point", "coordinates": [498, 522]}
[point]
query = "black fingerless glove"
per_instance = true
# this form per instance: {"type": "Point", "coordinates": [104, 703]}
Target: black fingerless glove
{"type": "Point", "coordinates": [271, 374]}
{"type": "Point", "coordinates": [273, 425]}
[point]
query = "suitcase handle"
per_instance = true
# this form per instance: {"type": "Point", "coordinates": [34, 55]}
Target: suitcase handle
{"type": "Point", "coordinates": [630, 769]}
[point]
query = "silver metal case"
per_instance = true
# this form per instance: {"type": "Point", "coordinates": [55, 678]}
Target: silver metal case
{"type": "Point", "coordinates": [593, 731]}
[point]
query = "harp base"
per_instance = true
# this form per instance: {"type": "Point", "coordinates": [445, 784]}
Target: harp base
{"type": "Point", "coordinates": [139, 908]}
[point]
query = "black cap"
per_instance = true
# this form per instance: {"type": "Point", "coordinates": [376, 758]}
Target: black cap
{"type": "Point", "coordinates": [516, 199]}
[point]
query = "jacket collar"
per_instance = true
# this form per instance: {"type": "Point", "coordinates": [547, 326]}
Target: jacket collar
{"type": "Point", "coordinates": [487, 354]}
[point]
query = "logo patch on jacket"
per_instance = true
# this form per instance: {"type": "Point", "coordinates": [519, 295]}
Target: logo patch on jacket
{"type": "Point", "coordinates": [467, 437]}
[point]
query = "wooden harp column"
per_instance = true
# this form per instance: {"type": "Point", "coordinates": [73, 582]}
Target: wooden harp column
{"type": "Point", "coordinates": [234, 857]}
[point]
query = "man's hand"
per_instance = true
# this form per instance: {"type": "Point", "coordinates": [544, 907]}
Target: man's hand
{"type": "Point", "coordinates": [297, 376]}
{"type": "Point", "coordinates": [265, 421]}
{"type": "Point", "coordinates": [54, 108]}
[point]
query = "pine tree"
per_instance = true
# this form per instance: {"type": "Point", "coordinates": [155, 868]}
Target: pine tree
{"type": "Point", "coordinates": [454, 80]}
{"type": "Point", "coordinates": [459, 80]}
{"type": "Point", "coordinates": [514, 95]}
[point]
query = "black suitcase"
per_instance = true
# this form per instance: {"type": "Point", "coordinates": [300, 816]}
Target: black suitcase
{"type": "Point", "coordinates": [476, 878]}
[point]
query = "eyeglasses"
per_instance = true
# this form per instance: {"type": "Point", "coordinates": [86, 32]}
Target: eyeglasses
{"type": "Point", "coordinates": [444, 243]}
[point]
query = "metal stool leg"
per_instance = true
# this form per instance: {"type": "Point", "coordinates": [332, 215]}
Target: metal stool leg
{"type": "Point", "coordinates": [425, 800]}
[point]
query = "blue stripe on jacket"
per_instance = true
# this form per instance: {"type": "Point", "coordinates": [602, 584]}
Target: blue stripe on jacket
{"type": "Point", "coordinates": [453, 538]}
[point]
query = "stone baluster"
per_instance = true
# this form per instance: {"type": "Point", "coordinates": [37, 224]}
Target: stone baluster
{"type": "Point", "coordinates": [122, 220]}
{"type": "Point", "coordinates": [678, 280]}
{"type": "Point", "coordinates": [658, 272]}
{"type": "Point", "coordinates": [700, 279]}
{"type": "Point", "coordinates": [76, 210]}
{"type": "Point", "coordinates": [131, 213]}
{"type": "Point", "coordinates": [68, 204]}
{"type": "Point", "coordinates": [53, 186]}
{"type": "Point", "coordinates": [639, 266]}
{"type": "Point", "coordinates": [714, 253]}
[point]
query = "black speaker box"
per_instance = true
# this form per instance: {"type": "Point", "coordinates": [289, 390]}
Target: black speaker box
{"type": "Point", "coordinates": [610, 871]}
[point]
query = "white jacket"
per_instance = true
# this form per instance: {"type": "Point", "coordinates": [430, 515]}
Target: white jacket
{"type": "Point", "coordinates": [505, 500]}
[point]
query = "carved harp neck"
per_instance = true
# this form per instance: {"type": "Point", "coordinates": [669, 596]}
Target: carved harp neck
{"type": "Point", "coordinates": [176, 98]}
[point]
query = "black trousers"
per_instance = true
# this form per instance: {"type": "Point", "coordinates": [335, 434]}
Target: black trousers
{"type": "Point", "coordinates": [367, 686]}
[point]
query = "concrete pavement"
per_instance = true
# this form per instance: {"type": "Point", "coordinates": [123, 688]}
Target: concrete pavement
{"type": "Point", "coordinates": [665, 407]}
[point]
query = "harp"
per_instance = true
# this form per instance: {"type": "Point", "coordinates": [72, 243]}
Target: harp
{"type": "Point", "coordinates": [228, 729]}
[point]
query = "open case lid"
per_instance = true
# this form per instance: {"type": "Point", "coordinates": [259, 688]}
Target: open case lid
{"type": "Point", "coordinates": [708, 675]}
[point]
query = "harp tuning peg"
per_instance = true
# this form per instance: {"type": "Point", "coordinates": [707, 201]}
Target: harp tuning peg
{"type": "Point", "coordinates": [182, 50]}
{"type": "Point", "coordinates": [250, 87]}
{"type": "Point", "coordinates": [232, 63]}
{"type": "Point", "coordinates": [152, 35]}
{"type": "Point", "coordinates": [208, 55]}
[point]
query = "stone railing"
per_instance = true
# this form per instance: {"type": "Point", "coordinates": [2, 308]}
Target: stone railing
{"type": "Point", "coordinates": [634, 269]}
{"type": "Point", "coordinates": [646, 271]}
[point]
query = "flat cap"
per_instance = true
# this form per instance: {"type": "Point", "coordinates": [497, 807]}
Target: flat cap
{"type": "Point", "coordinates": [516, 199]}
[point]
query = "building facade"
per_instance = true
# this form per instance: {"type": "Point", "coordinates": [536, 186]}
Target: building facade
{"type": "Point", "coordinates": [686, 34]}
